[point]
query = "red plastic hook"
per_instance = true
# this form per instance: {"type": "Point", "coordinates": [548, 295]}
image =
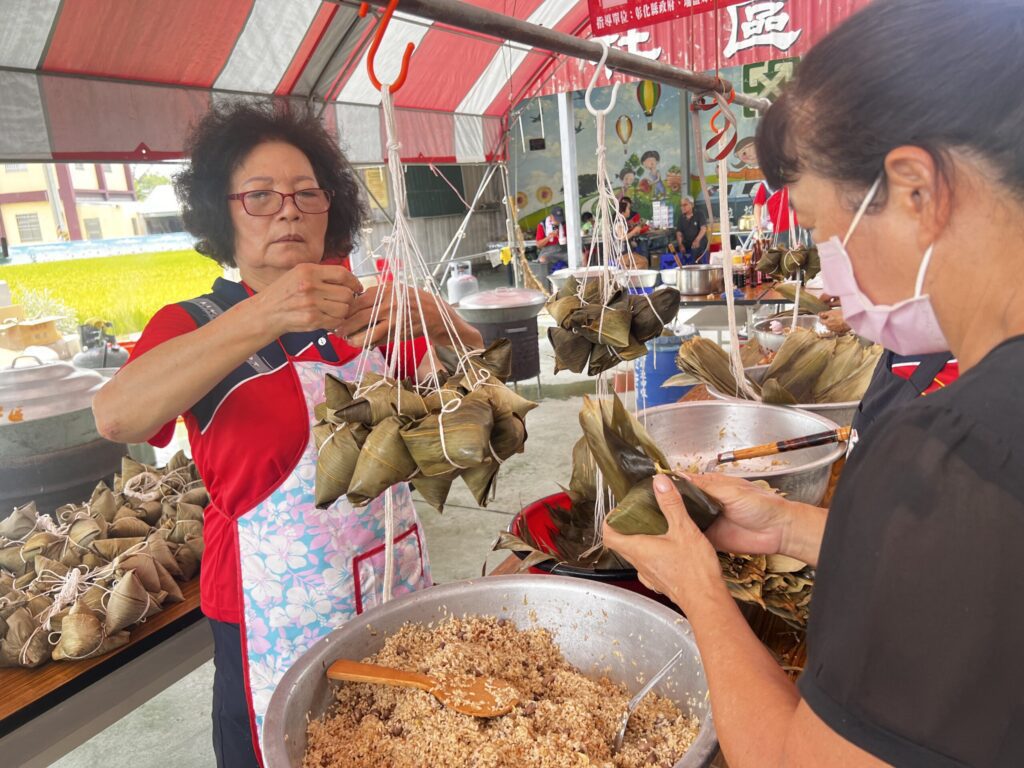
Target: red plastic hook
{"type": "Point", "coordinates": [385, 19]}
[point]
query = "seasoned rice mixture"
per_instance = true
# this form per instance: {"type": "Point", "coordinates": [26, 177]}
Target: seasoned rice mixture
{"type": "Point", "coordinates": [563, 719]}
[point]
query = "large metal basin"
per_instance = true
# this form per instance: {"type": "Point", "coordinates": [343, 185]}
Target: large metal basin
{"type": "Point", "coordinates": [772, 342]}
{"type": "Point", "coordinates": [588, 621]}
{"type": "Point", "coordinates": [694, 433]}
{"type": "Point", "coordinates": [841, 413]}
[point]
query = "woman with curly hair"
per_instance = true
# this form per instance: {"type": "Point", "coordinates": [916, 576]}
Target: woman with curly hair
{"type": "Point", "coordinates": [269, 192]}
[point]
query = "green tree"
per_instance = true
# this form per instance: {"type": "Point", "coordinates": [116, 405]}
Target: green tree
{"type": "Point", "coordinates": [147, 181]}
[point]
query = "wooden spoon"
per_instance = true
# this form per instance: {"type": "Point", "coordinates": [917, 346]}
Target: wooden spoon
{"type": "Point", "coordinates": [479, 697]}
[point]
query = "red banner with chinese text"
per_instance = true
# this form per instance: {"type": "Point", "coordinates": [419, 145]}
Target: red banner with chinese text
{"type": "Point", "coordinates": [611, 16]}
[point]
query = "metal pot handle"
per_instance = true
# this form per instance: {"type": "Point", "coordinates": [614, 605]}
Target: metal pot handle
{"type": "Point", "coordinates": [14, 362]}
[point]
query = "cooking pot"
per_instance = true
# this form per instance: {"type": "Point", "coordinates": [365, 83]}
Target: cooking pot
{"type": "Point", "coordinates": [699, 280]}
{"type": "Point", "coordinates": [587, 620]}
{"type": "Point", "coordinates": [501, 305]}
{"type": "Point", "coordinates": [50, 451]}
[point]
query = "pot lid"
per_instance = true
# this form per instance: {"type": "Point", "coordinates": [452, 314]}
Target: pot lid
{"type": "Point", "coordinates": [31, 389]}
{"type": "Point", "coordinates": [503, 298]}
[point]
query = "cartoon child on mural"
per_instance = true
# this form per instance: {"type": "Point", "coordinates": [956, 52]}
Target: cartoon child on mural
{"type": "Point", "coordinates": [746, 166]}
{"type": "Point", "coordinates": [627, 177]}
{"type": "Point", "coordinates": [652, 175]}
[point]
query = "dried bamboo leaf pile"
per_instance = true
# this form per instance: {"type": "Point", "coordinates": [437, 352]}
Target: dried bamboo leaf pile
{"type": "Point", "coordinates": [807, 369]}
{"type": "Point", "coordinates": [71, 588]}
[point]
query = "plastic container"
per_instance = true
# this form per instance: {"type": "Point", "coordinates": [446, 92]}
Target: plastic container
{"type": "Point", "coordinates": [536, 518]}
{"type": "Point", "coordinates": [655, 369]}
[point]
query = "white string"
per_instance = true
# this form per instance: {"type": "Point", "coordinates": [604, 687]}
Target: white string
{"type": "Point", "coordinates": [389, 544]}
{"type": "Point", "coordinates": [406, 286]}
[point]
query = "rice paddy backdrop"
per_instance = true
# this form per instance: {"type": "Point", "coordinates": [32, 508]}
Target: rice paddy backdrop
{"type": "Point", "coordinates": [126, 290]}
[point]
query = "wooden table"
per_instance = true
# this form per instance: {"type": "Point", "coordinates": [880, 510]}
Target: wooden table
{"type": "Point", "coordinates": [752, 294]}
{"type": "Point", "coordinates": [48, 711]}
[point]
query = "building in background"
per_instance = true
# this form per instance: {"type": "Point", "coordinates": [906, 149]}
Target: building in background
{"type": "Point", "coordinates": [160, 211]}
{"type": "Point", "coordinates": [45, 202]}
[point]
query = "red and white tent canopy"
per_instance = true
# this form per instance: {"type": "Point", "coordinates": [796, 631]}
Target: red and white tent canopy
{"type": "Point", "coordinates": [122, 79]}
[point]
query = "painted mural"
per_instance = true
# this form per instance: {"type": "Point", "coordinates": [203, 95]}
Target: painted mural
{"type": "Point", "coordinates": [643, 140]}
{"type": "Point", "coordinates": [763, 79]}
{"type": "Point", "coordinates": [644, 137]}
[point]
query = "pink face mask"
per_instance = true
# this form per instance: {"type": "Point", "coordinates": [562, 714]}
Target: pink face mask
{"type": "Point", "coordinates": [908, 327]}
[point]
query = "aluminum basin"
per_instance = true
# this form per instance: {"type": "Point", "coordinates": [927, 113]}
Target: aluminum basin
{"type": "Point", "coordinates": [588, 621]}
{"type": "Point", "coordinates": [841, 413]}
{"type": "Point", "coordinates": [772, 342]}
{"type": "Point", "coordinates": [694, 433]}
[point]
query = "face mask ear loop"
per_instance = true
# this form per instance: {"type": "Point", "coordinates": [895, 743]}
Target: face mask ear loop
{"type": "Point", "coordinates": [863, 208]}
{"type": "Point", "coordinates": [922, 271]}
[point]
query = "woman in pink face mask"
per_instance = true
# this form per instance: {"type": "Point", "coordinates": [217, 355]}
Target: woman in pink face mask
{"type": "Point", "coordinates": [917, 205]}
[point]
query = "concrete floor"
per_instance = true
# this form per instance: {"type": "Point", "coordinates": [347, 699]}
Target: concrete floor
{"type": "Point", "coordinates": [174, 728]}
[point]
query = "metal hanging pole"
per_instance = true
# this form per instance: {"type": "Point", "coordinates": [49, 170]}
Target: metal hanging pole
{"type": "Point", "coordinates": [501, 27]}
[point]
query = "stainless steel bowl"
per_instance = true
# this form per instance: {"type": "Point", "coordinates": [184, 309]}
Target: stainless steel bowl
{"type": "Point", "coordinates": [700, 280]}
{"type": "Point", "coordinates": [588, 620]}
{"type": "Point", "coordinates": [841, 413]}
{"type": "Point", "coordinates": [771, 341]}
{"type": "Point", "coordinates": [694, 433]}
{"type": "Point", "coordinates": [640, 278]}
{"type": "Point", "coordinates": [558, 278]}
{"type": "Point", "coordinates": [670, 277]}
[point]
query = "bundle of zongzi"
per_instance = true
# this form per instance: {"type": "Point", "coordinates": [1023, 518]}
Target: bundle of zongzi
{"type": "Point", "coordinates": [599, 325]}
{"type": "Point", "coordinates": [464, 422]}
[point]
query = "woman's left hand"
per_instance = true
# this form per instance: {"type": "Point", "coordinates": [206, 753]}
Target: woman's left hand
{"type": "Point", "coordinates": [681, 564]}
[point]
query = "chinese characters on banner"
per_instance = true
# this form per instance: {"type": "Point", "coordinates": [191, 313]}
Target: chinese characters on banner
{"type": "Point", "coordinates": [759, 23]}
{"type": "Point", "coordinates": [611, 16]}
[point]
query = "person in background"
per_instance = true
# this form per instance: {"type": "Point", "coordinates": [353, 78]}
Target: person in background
{"type": "Point", "coordinates": [911, 661]}
{"type": "Point", "coordinates": [552, 241]}
{"type": "Point", "coordinates": [691, 232]}
{"type": "Point", "coordinates": [633, 256]}
{"type": "Point", "coordinates": [587, 224]}
{"type": "Point", "coordinates": [268, 191]}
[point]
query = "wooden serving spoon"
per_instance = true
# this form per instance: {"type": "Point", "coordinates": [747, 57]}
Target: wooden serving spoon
{"type": "Point", "coordinates": [479, 697]}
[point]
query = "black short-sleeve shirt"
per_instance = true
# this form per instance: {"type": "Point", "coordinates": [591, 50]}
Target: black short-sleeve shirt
{"type": "Point", "coordinates": [690, 228]}
{"type": "Point", "coordinates": [916, 638]}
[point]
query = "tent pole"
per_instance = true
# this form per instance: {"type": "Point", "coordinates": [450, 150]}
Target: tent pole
{"type": "Point", "coordinates": [501, 27]}
{"type": "Point", "coordinates": [570, 179]}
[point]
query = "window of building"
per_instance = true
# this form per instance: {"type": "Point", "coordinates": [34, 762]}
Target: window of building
{"type": "Point", "coordinates": [377, 182]}
{"type": "Point", "coordinates": [15, 167]}
{"type": "Point", "coordinates": [108, 168]}
{"type": "Point", "coordinates": [28, 227]}
{"type": "Point", "coordinates": [432, 194]}
{"type": "Point", "coordinates": [93, 230]}
{"type": "Point", "coordinates": [79, 166]}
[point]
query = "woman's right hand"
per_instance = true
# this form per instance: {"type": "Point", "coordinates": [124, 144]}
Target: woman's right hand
{"type": "Point", "coordinates": [758, 521]}
{"type": "Point", "coordinates": [308, 297]}
{"type": "Point", "coordinates": [754, 519]}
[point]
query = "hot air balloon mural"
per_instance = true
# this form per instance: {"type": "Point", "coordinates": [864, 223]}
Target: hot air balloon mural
{"type": "Point", "coordinates": [648, 93]}
{"type": "Point", "coordinates": [624, 130]}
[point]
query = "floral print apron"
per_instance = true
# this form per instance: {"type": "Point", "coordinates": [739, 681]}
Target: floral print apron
{"type": "Point", "coordinates": [306, 571]}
